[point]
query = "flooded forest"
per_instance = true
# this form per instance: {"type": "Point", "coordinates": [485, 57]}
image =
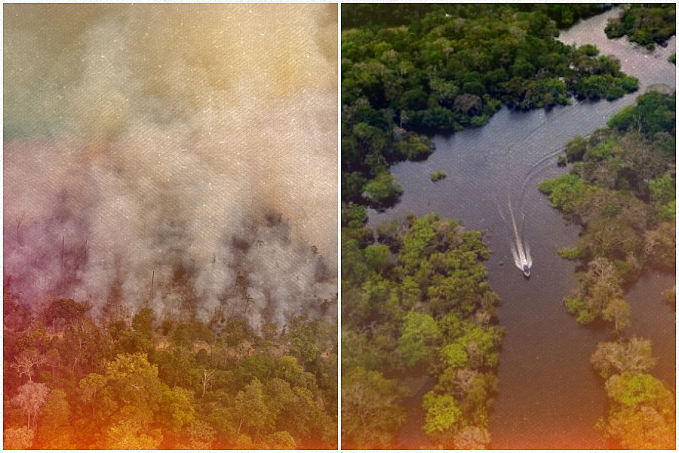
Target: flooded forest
{"type": "Point", "coordinates": [508, 226]}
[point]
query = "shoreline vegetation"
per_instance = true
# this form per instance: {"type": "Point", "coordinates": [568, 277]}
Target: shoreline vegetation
{"type": "Point", "coordinates": [621, 190]}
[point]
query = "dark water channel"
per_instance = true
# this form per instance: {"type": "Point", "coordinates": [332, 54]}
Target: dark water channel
{"type": "Point", "coordinates": [549, 396]}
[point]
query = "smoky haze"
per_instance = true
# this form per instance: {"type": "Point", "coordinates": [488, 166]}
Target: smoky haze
{"type": "Point", "coordinates": [192, 146]}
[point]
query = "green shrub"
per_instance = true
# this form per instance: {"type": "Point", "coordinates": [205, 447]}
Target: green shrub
{"type": "Point", "coordinates": [437, 175]}
{"type": "Point", "coordinates": [565, 192]}
{"type": "Point", "coordinates": [570, 253]}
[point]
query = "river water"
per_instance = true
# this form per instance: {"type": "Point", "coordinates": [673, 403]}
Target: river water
{"type": "Point", "coordinates": [549, 396]}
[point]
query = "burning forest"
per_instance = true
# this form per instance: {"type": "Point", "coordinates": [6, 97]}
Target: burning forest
{"type": "Point", "coordinates": [166, 157]}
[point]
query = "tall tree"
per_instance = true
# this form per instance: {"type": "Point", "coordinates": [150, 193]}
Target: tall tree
{"type": "Point", "coordinates": [251, 409]}
{"type": "Point", "coordinates": [26, 361]}
{"type": "Point", "coordinates": [55, 428]}
{"type": "Point", "coordinates": [32, 396]}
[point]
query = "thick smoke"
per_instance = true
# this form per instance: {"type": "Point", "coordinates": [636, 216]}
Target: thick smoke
{"type": "Point", "coordinates": [189, 146]}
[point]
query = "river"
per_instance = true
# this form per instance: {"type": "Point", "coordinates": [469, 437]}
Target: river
{"type": "Point", "coordinates": [549, 398]}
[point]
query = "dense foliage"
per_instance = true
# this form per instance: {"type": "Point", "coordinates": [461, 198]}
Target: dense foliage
{"type": "Point", "coordinates": [447, 68]}
{"type": "Point", "coordinates": [414, 297]}
{"type": "Point", "coordinates": [645, 24]}
{"type": "Point", "coordinates": [642, 413]}
{"type": "Point", "coordinates": [565, 15]}
{"type": "Point", "coordinates": [70, 383]}
{"type": "Point", "coordinates": [621, 188]}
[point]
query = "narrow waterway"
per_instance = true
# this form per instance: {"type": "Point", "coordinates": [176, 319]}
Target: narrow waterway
{"type": "Point", "coordinates": [549, 396]}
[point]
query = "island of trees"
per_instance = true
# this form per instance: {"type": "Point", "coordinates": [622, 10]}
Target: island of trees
{"type": "Point", "coordinates": [621, 189]}
{"type": "Point", "coordinates": [145, 383]}
{"type": "Point", "coordinates": [646, 25]}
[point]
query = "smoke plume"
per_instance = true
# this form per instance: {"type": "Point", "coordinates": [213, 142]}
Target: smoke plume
{"type": "Point", "coordinates": [172, 155]}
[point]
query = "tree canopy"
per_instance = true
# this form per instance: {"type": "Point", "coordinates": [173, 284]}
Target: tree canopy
{"type": "Point", "coordinates": [646, 25]}
{"type": "Point", "coordinates": [415, 298]}
{"type": "Point", "coordinates": [148, 383]}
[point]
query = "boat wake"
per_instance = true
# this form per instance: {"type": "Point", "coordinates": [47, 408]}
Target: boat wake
{"type": "Point", "coordinates": [520, 249]}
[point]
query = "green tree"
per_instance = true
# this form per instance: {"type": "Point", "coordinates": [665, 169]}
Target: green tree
{"type": "Point", "coordinates": [443, 418]}
{"type": "Point", "coordinates": [304, 419]}
{"type": "Point", "coordinates": [646, 25]}
{"type": "Point", "coordinates": [431, 300]}
{"type": "Point", "coordinates": [66, 310]}
{"type": "Point", "coordinates": [420, 335]}
{"type": "Point", "coordinates": [236, 331]}
{"type": "Point", "coordinates": [382, 191]}
{"type": "Point", "coordinates": [199, 435]}
{"type": "Point", "coordinates": [663, 188]}
{"type": "Point", "coordinates": [89, 386]}
{"type": "Point", "coordinates": [289, 370]}
{"type": "Point", "coordinates": [251, 410]}
{"type": "Point", "coordinates": [371, 413]}
{"type": "Point", "coordinates": [281, 440]}
{"type": "Point", "coordinates": [632, 389]}
{"type": "Point", "coordinates": [305, 339]}
{"type": "Point", "coordinates": [142, 322]}
{"type": "Point", "coordinates": [566, 192]}
{"type": "Point", "coordinates": [176, 410]}
{"type": "Point", "coordinates": [55, 428]}
{"type": "Point", "coordinates": [643, 413]}
{"type": "Point", "coordinates": [125, 435]}
{"type": "Point", "coordinates": [135, 380]}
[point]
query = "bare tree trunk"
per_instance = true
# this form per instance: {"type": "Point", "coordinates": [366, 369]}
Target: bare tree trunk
{"type": "Point", "coordinates": [206, 379]}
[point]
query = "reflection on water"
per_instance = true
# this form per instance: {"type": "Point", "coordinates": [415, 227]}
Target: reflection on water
{"type": "Point", "coordinates": [549, 396]}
